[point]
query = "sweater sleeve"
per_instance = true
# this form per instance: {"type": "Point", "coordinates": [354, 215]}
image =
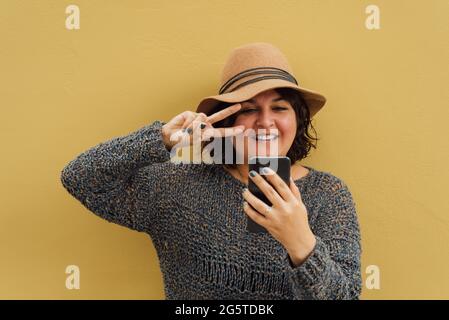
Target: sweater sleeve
{"type": "Point", "coordinates": [115, 177]}
{"type": "Point", "coordinates": [332, 270]}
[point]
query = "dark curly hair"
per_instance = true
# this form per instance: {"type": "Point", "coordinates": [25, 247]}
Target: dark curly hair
{"type": "Point", "coordinates": [304, 140]}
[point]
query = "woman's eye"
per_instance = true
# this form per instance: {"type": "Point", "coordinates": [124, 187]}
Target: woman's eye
{"type": "Point", "coordinates": [253, 110]}
{"type": "Point", "coordinates": [247, 110]}
{"type": "Point", "coordinates": [280, 108]}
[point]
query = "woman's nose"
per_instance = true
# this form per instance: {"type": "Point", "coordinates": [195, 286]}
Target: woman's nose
{"type": "Point", "coordinates": [265, 120]}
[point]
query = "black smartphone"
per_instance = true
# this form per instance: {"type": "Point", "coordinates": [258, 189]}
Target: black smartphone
{"type": "Point", "coordinates": [280, 165]}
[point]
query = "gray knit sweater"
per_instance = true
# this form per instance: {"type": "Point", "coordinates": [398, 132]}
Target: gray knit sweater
{"type": "Point", "coordinates": [194, 215]}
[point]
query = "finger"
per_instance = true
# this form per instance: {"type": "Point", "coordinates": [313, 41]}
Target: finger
{"type": "Point", "coordinates": [198, 128]}
{"type": "Point", "coordinates": [266, 189]}
{"type": "Point", "coordinates": [295, 190]}
{"type": "Point", "coordinates": [199, 133]}
{"type": "Point", "coordinates": [198, 123]}
{"type": "Point", "coordinates": [259, 206]}
{"type": "Point", "coordinates": [279, 185]}
{"type": "Point", "coordinates": [178, 120]}
{"type": "Point", "coordinates": [192, 120]}
{"type": "Point", "coordinates": [188, 119]}
{"type": "Point", "coordinates": [254, 215]}
{"type": "Point", "coordinates": [174, 124]}
{"type": "Point", "coordinates": [177, 135]}
{"type": "Point", "coordinates": [220, 115]}
{"type": "Point", "coordinates": [225, 132]}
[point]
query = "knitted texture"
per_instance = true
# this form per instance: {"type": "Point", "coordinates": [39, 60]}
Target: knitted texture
{"type": "Point", "coordinates": [194, 216]}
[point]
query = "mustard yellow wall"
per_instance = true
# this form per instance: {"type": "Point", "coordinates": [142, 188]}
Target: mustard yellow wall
{"type": "Point", "coordinates": [384, 129]}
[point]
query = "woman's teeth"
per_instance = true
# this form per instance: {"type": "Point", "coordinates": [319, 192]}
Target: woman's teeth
{"type": "Point", "coordinates": [265, 137]}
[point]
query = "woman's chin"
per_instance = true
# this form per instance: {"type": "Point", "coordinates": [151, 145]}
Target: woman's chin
{"type": "Point", "coordinates": [264, 153]}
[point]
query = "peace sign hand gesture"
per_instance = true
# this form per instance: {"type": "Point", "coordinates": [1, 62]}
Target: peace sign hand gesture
{"type": "Point", "coordinates": [181, 126]}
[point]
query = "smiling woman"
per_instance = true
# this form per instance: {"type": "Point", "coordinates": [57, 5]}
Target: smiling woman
{"type": "Point", "coordinates": [195, 213]}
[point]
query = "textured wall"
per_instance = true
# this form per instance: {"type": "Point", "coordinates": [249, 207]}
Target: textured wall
{"type": "Point", "coordinates": [384, 129]}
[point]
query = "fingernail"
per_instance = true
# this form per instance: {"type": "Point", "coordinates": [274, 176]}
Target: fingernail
{"type": "Point", "coordinates": [265, 170]}
{"type": "Point", "coordinates": [245, 203]}
{"type": "Point", "coordinates": [252, 173]}
{"type": "Point", "coordinates": [202, 126]}
{"type": "Point", "coordinates": [245, 189]}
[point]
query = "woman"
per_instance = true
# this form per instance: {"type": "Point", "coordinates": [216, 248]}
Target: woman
{"type": "Point", "coordinates": [196, 214]}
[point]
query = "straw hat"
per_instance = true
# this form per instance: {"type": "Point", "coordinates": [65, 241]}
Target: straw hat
{"type": "Point", "coordinates": [253, 68]}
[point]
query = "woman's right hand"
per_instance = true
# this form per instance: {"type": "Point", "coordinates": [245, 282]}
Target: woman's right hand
{"type": "Point", "coordinates": [181, 127]}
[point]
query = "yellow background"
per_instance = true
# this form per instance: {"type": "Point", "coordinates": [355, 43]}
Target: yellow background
{"type": "Point", "coordinates": [384, 129]}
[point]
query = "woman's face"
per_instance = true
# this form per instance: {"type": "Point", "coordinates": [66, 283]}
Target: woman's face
{"type": "Point", "coordinates": [270, 125]}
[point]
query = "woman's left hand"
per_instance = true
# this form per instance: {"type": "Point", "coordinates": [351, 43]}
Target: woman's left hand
{"type": "Point", "coordinates": [287, 221]}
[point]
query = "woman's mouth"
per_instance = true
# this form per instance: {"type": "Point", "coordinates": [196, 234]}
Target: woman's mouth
{"type": "Point", "coordinates": [264, 137]}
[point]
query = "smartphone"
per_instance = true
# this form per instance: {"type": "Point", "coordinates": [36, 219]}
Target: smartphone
{"type": "Point", "coordinates": [280, 165]}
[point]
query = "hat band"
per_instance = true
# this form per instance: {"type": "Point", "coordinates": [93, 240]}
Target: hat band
{"type": "Point", "coordinates": [273, 73]}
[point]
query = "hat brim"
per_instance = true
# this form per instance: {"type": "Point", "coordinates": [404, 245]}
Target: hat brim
{"type": "Point", "coordinates": [314, 100]}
